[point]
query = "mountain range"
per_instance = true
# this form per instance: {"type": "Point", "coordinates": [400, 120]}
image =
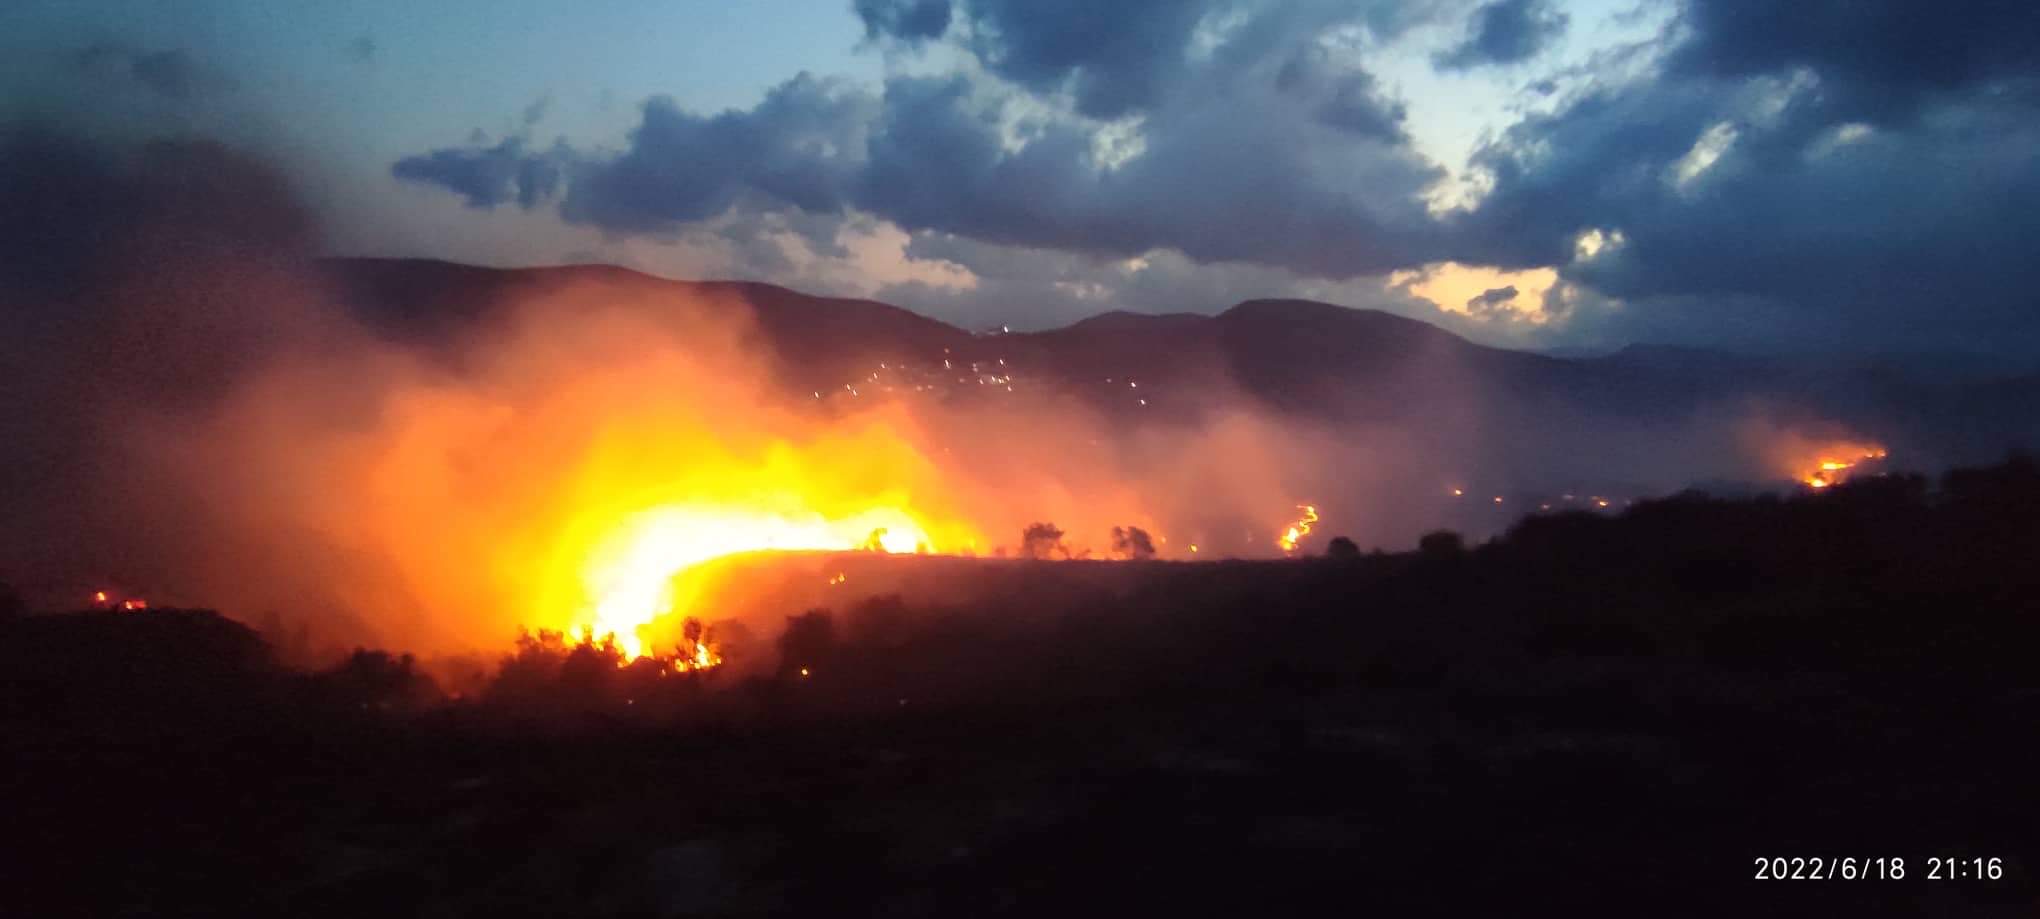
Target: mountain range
{"type": "Point", "coordinates": [1329, 365]}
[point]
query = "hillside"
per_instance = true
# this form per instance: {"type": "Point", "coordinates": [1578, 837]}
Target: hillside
{"type": "Point", "coordinates": [1319, 362]}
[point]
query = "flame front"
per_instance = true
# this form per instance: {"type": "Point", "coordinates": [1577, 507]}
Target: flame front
{"type": "Point", "coordinates": [1830, 471]}
{"type": "Point", "coordinates": [1296, 531]}
{"type": "Point", "coordinates": [628, 579]}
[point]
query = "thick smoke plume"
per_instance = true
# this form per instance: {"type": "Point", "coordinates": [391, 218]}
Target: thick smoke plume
{"type": "Point", "coordinates": [198, 415]}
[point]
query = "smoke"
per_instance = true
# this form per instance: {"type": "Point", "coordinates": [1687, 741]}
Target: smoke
{"type": "Point", "coordinates": [199, 415]}
{"type": "Point", "coordinates": [197, 419]}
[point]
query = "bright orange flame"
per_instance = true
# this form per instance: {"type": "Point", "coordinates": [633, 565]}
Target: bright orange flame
{"type": "Point", "coordinates": [99, 597]}
{"type": "Point", "coordinates": [1829, 471]}
{"type": "Point", "coordinates": [627, 578]}
{"type": "Point", "coordinates": [1296, 531]}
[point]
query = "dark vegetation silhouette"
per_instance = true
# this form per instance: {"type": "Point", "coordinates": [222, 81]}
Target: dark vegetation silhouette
{"type": "Point", "coordinates": [1043, 540]}
{"type": "Point", "coordinates": [1441, 544]}
{"type": "Point", "coordinates": [1132, 543]}
{"type": "Point", "coordinates": [1596, 712]}
{"type": "Point", "coordinates": [1342, 547]}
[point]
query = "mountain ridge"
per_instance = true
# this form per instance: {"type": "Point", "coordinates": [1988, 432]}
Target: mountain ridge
{"type": "Point", "coordinates": [1325, 362]}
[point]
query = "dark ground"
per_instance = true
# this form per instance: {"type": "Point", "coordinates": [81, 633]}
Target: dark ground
{"type": "Point", "coordinates": [1591, 715]}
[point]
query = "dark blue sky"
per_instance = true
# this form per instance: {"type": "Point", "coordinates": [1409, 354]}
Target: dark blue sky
{"type": "Point", "coordinates": [1846, 175]}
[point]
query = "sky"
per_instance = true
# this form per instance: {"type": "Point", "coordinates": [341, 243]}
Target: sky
{"type": "Point", "coordinates": [1843, 176]}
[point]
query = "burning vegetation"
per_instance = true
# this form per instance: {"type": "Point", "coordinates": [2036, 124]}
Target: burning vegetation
{"type": "Point", "coordinates": [1296, 531]}
{"type": "Point", "coordinates": [1838, 466]}
{"type": "Point", "coordinates": [557, 451]}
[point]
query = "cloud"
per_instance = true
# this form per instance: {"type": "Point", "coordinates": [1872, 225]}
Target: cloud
{"type": "Point", "coordinates": [536, 111]}
{"type": "Point", "coordinates": [1113, 58]}
{"type": "Point", "coordinates": [1292, 158]}
{"type": "Point", "coordinates": [1792, 168]}
{"type": "Point", "coordinates": [912, 21]}
{"type": "Point", "coordinates": [489, 176]}
{"type": "Point", "coordinates": [1505, 32]}
{"type": "Point", "coordinates": [172, 73]}
{"type": "Point", "coordinates": [1878, 59]}
{"type": "Point", "coordinates": [800, 148]}
{"type": "Point", "coordinates": [1777, 181]}
{"type": "Point", "coordinates": [1347, 98]}
{"type": "Point", "coordinates": [1492, 299]}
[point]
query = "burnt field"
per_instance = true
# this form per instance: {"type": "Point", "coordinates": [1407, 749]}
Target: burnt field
{"type": "Point", "coordinates": [1590, 712]}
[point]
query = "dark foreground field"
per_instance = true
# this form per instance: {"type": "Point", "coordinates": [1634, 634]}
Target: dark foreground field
{"type": "Point", "coordinates": [1592, 715]}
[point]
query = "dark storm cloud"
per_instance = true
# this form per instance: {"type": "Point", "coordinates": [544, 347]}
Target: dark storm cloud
{"type": "Point", "coordinates": [1129, 56]}
{"type": "Point", "coordinates": [1345, 98]}
{"type": "Point", "coordinates": [1505, 32]}
{"type": "Point", "coordinates": [1884, 55]}
{"type": "Point", "coordinates": [1834, 167]}
{"type": "Point", "coordinates": [1252, 178]}
{"type": "Point", "coordinates": [172, 73]}
{"type": "Point", "coordinates": [1279, 153]}
{"type": "Point", "coordinates": [801, 147]}
{"type": "Point", "coordinates": [912, 21]}
{"type": "Point", "coordinates": [1113, 58]}
{"type": "Point", "coordinates": [1775, 167]}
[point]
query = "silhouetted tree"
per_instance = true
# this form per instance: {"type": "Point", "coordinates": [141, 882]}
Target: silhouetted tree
{"type": "Point", "coordinates": [379, 679]}
{"type": "Point", "coordinates": [1441, 544]}
{"type": "Point", "coordinates": [1132, 543]}
{"type": "Point", "coordinates": [1342, 547]}
{"type": "Point", "coordinates": [809, 642]}
{"type": "Point", "coordinates": [1039, 540]}
{"type": "Point", "coordinates": [10, 602]}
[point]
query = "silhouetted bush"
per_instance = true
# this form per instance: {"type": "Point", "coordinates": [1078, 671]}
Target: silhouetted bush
{"type": "Point", "coordinates": [1441, 544]}
{"type": "Point", "coordinates": [1342, 548]}
{"type": "Point", "coordinates": [808, 644]}
{"type": "Point", "coordinates": [379, 680]}
{"type": "Point", "coordinates": [1132, 543]}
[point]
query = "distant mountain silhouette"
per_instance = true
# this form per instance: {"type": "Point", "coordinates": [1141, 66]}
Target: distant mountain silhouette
{"type": "Point", "coordinates": [1297, 357]}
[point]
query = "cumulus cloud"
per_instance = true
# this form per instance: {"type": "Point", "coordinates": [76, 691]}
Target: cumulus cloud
{"type": "Point", "coordinates": [1836, 172]}
{"type": "Point", "coordinates": [1885, 58]}
{"type": "Point", "coordinates": [1283, 154]}
{"type": "Point", "coordinates": [1770, 178]}
{"type": "Point", "coordinates": [1505, 32]}
{"type": "Point", "coordinates": [912, 21]}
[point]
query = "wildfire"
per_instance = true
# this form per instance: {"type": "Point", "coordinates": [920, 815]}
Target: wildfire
{"type": "Point", "coordinates": [630, 577]}
{"type": "Point", "coordinates": [103, 600]}
{"type": "Point", "coordinates": [1830, 471]}
{"type": "Point", "coordinates": [1296, 531]}
{"type": "Point", "coordinates": [703, 658]}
